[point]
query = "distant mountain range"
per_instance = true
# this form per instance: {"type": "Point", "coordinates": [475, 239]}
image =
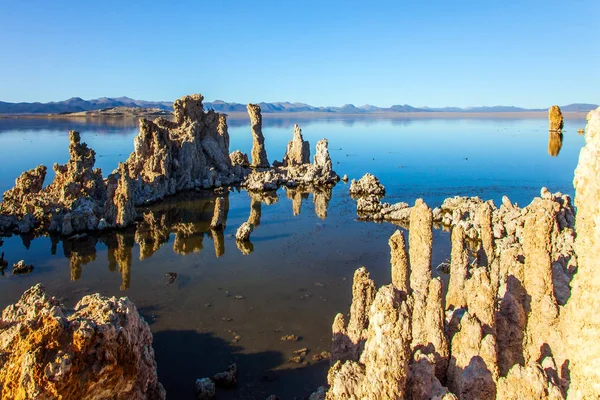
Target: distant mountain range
{"type": "Point", "coordinates": [76, 104]}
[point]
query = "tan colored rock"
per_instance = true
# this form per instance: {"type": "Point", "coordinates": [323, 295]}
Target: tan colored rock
{"type": "Point", "coordinates": [528, 383]}
{"type": "Point", "coordinates": [189, 153]}
{"type": "Point", "coordinates": [480, 296]}
{"type": "Point", "coordinates": [298, 150]}
{"type": "Point", "coordinates": [119, 209]}
{"type": "Point", "coordinates": [363, 294]}
{"type": "Point", "coordinates": [555, 118]}
{"type": "Point", "coordinates": [581, 320]}
{"type": "Point", "coordinates": [399, 261]}
{"type": "Point", "coordinates": [542, 319]}
{"type": "Point", "coordinates": [48, 349]}
{"type": "Point", "coordinates": [259, 153]}
{"type": "Point", "coordinates": [322, 160]}
{"type": "Point", "coordinates": [382, 370]}
{"type": "Point", "coordinates": [459, 268]}
{"type": "Point", "coordinates": [239, 158]}
{"type": "Point", "coordinates": [436, 342]}
{"type": "Point", "coordinates": [472, 371]}
{"type": "Point", "coordinates": [348, 341]}
{"type": "Point", "coordinates": [77, 192]}
{"type": "Point", "coordinates": [367, 185]}
{"type": "Point", "coordinates": [420, 241]}
{"type": "Point", "coordinates": [422, 382]}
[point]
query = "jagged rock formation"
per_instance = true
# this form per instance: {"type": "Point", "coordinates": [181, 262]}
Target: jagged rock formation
{"type": "Point", "coordinates": [366, 186]}
{"type": "Point", "coordinates": [319, 173]}
{"type": "Point", "coordinates": [259, 153]}
{"type": "Point", "coordinates": [190, 152]}
{"type": "Point", "coordinates": [297, 151]}
{"type": "Point", "coordinates": [47, 350]}
{"type": "Point", "coordinates": [581, 321]}
{"type": "Point", "coordinates": [368, 192]}
{"type": "Point", "coordinates": [513, 327]}
{"type": "Point", "coordinates": [555, 119]}
{"type": "Point", "coordinates": [72, 202]}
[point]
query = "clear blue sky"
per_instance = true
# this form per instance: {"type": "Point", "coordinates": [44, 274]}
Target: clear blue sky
{"type": "Point", "coordinates": [528, 53]}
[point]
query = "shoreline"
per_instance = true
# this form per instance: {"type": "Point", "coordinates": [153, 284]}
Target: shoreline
{"type": "Point", "coordinates": [311, 115]}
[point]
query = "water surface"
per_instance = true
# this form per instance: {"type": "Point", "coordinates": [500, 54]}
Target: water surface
{"type": "Point", "coordinates": [232, 304]}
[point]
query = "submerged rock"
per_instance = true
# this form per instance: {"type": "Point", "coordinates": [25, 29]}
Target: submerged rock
{"type": "Point", "coordinates": [205, 389]}
{"type": "Point", "coordinates": [48, 350]}
{"type": "Point", "coordinates": [227, 378]}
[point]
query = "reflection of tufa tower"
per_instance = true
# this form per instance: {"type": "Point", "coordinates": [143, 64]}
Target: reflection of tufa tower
{"type": "Point", "coordinates": [554, 142]}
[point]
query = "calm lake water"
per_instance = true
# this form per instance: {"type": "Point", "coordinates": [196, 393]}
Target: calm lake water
{"type": "Point", "coordinates": [233, 305]}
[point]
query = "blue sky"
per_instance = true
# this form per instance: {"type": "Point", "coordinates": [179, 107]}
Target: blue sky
{"type": "Point", "coordinates": [438, 53]}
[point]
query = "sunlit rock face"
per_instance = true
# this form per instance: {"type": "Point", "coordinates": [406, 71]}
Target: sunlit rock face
{"type": "Point", "coordinates": [555, 119]}
{"type": "Point", "coordinates": [73, 202]}
{"type": "Point", "coordinates": [521, 318]}
{"type": "Point", "coordinates": [48, 351]}
{"type": "Point", "coordinates": [582, 320]}
{"type": "Point", "coordinates": [259, 153]}
{"type": "Point", "coordinates": [297, 151]}
{"type": "Point", "coordinates": [191, 152]}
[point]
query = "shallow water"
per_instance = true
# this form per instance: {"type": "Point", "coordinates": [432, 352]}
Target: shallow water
{"type": "Point", "coordinates": [297, 274]}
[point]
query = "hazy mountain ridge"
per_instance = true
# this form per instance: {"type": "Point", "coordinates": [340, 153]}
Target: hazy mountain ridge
{"type": "Point", "coordinates": [77, 104]}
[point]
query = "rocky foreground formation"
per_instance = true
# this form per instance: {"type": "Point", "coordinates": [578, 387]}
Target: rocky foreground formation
{"type": "Point", "coordinates": [190, 152]}
{"type": "Point", "coordinates": [509, 326]}
{"type": "Point", "coordinates": [101, 349]}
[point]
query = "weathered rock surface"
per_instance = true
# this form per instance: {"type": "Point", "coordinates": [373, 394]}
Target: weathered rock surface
{"type": "Point", "coordinates": [72, 202]}
{"type": "Point", "coordinates": [521, 308]}
{"type": "Point", "coordinates": [101, 349]}
{"type": "Point", "coordinates": [555, 118]}
{"type": "Point", "coordinates": [319, 173]}
{"type": "Point", "coordinates": [297, 151]}
{"type": "Point", "coordinates": [581, 320]}
{"type": "Point", "coordinates": [191, 152]}
{"type": "Point", "coordinates": [259, 153]}
{"type": "Point", "coordinates": [367, 185]}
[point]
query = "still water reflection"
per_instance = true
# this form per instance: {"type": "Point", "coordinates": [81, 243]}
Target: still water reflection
{"type": "Point", "coordinates": [199, 288]}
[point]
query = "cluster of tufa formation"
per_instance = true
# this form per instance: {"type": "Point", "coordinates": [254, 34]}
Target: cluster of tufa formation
{"type": "Point", "coordinates": [519, 320]}
{"type": "Point", "coordinates": [368, 192]}
{"type": "Point", "coordinates": [190, 152]}
{"type": "Point", "coordinates": [101, 349]}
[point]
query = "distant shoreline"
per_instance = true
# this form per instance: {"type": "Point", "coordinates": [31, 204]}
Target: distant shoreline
{"type": "Point", "coordinates": [310, 114]}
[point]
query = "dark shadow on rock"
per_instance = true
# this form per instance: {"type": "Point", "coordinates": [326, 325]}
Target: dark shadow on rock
{"type": "Point", "coordinates": [511, 324]}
